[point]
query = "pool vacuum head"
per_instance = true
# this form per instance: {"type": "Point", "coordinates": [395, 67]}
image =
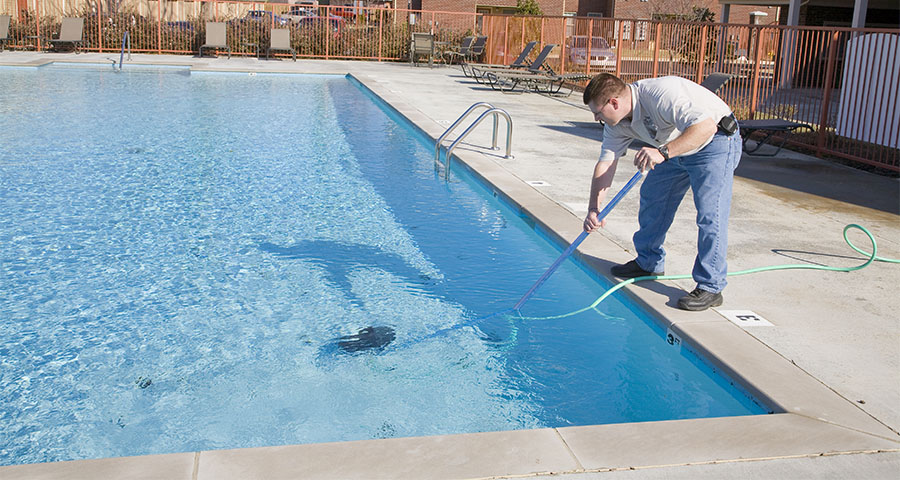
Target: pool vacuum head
{"type": "Point", "coordinates": [369, 338]}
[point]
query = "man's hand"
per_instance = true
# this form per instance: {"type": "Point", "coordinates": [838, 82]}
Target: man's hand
{"type": "Point", "coordinates": [647, 158]}
{"type": "Point", "coordinates": [591, 223]}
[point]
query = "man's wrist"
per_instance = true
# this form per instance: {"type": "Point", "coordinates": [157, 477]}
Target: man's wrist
{"type": "Point", "coordinates": [664, 150]}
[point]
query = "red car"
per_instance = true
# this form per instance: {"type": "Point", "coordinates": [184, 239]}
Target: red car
{"type": "Point", "coordinates": [346, 12]}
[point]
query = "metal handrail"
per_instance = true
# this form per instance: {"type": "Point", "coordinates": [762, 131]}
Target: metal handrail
{"type": "Point", "coordinates": [125, 38]}
{"type": "Point", "coordinates": [495, 111]}
{"type": "Point", "coordinates": [437, 145]}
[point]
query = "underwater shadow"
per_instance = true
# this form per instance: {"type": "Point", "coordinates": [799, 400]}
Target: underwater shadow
{"type": "Point", "coordinates": [338, 260]}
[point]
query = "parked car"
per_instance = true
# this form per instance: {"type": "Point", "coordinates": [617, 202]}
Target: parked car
{"type": "Point", "coordinates": [265, 16]}
{"type": "Point", "coordinates": [180, 26]}
{"type": "Point", "coordinates": [298, 12]}
{"type": "Point", "coordinates": [336, 24]}
{"type": "Point", "coordinates": [346, 12]}
{"type": "Point", "coordinates": [602, 57]}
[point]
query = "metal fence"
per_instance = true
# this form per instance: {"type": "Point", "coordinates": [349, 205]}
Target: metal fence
{"type": "Point", "coordinates": [842, 82]}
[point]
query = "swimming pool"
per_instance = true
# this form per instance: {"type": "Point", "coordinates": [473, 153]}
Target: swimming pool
{"type": "Point", "coordinates": [181, 251]}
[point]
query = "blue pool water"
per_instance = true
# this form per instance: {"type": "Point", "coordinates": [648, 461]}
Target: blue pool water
{"type": "Point", "coordinates": [180, 251]}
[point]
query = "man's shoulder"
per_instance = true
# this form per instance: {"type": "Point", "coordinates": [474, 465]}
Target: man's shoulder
{"type": "Point", "coordinates": [660, 83]}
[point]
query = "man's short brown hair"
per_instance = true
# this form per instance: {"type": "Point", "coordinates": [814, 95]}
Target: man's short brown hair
{"type": "Point", "coordinates": [603, 86]}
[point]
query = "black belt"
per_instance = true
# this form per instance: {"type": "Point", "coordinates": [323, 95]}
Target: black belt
{"type": "Point", "coordinates": [728, 125]}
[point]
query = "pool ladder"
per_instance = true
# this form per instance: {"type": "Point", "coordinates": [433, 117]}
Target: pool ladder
{"type": "Point", "coordinates": [491, 110]}
{"type": "Point", "coordinates": [126, 39]}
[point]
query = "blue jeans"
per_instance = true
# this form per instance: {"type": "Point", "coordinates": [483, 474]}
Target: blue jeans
{"type": "Point", "coordinates": [709, 173]}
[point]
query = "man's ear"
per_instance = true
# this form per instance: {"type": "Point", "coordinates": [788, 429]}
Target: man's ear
{"type": "Point", "coordinates": [614, 101]}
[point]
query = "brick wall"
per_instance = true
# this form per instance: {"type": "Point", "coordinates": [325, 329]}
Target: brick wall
{"type": "Point", "coordinates": [549, 7]}
{"type": "Point", "coordinates": [602, 7]}
{"type": "Point", "coordinates": [609, 8]}
{"type": "Point", "coordinates": [447, 5]}
{"type": "Point", "coordinates": [646, 9]}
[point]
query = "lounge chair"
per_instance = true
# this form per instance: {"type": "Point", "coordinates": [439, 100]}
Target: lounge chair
{"type": "Point", "coordinates": [770, 127]}
{"type": "Point", "coordinates": [475, 51]}
{"type": "Point", "coordinates": [460, 53]}
{"type": "Point", "coordinates": [280, 40]}
{"type": "Point", "coordinates": [715, 81]}
{"type": "Point", "coordinates": [71, 32]}
{"type": "Point", "coordinates": [421, 44]}
{"type": "Point", "coordinates": [538, 77]}
{"type": "Point", "coordinates": [4, 31]}
{"type": "Point", "coordinates": [215, 38]}
{"type": "Point", "coordinates": [478, 70]}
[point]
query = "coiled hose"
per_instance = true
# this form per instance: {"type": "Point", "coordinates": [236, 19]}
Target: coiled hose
{"type": "Point", "coordinates": [872, 257]}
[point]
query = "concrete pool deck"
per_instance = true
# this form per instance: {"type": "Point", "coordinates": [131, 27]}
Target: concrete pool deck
{"type": "Point", "coordinates": [829, 366]}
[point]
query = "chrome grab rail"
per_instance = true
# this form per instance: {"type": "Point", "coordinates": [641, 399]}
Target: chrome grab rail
{"type": "Point", "coordinates": [491, 110]}
{"type": "Point", "coordinates": [495, 112]}
{"type": "Point", "coordinates": [125, 38]}
{"type": "Point", "coordinates": [437, 145]}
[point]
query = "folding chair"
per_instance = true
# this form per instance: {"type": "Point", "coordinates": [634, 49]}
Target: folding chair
{"type": "Point", "coordinates": [280, 40]}
{"type": "Point", "coordinates": [4, 31]}
{"type": "Point", "coordinates": [71, 32]}
{"type": "Point", "coordinates": [715, 81]}
{"type": "Point", "coordinates": [770, 126]}
{"type": "Point", "coordinates": [464, 45]}
{"type": "Point", "coordinates": [477, 70]}
{"type": "Point", "coordinates": [421, 44]}
{"type": "Point", "coordinates": [215, 38]}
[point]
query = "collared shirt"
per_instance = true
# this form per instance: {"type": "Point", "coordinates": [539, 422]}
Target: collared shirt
{"type": "Point", "coordinates": [662, 108]}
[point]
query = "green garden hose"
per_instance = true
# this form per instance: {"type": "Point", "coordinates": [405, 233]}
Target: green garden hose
{"type": "Point", "coordinates": [872, 257]}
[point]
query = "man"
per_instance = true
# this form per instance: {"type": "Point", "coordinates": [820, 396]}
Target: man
{"type": "Point", "coordinates": [694, 143]}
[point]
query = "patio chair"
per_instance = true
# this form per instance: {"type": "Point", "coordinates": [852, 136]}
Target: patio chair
{"type": "Point", "coordinates": [71, 32]}
{"type": "Point", "coordinates": [215, 38]}
{"type": "Point", "coordinates": [538, 77]}
{"type": "Point", "coordinates": [477, 70]}
{"type": "Point", "coordinates": [280, 40]}
{"type": "Point", "coordinates": [475, 51]}
{"type": "Point", "coordinates": [4, 31]}
{"type": "Point", "coordinates": [459, 53]}
{"type": "Point", "coordinates": [421, 44]}
{"type": "Point", "coordinates": [715, 81]}
{"type": "Point", "coordinates": [769, 126]}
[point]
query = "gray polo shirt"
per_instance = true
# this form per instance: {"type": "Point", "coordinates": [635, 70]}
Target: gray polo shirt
{"type": "Point", "coordinates": [662, 108]}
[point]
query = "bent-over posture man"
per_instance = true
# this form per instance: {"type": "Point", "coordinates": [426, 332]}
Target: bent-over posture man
{"type": "Point", "coordinates": [695, 143]}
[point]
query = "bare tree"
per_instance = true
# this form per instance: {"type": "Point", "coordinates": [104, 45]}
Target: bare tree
{"type": "Point", "coordinates": [673, 9]}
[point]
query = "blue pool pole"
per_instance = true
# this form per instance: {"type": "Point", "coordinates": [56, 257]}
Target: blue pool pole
{"type": "Point", "coordinates": [600, 216]}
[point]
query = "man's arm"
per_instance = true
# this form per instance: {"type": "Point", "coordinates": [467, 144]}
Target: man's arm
{"type": "Point", "coordinates": [602, 179]}
{"type": "Point", "coordinates": [694, 136]}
